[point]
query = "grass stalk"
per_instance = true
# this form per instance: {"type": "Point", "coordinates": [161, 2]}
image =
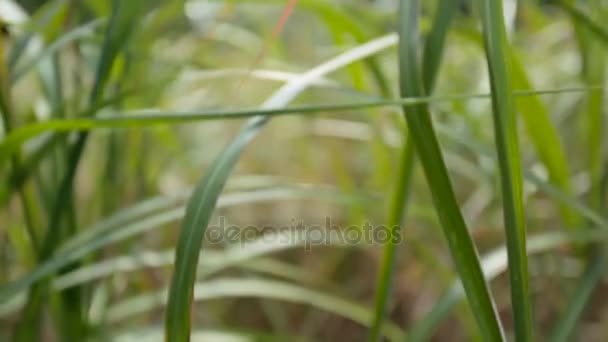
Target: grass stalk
{"type": "Point", "coordinates": [462, 248]}
{"type": "Point", "coordinates": [134, 119]}
{"type": "Point", "coordinates": [595, 271]}
{"type": "Point", "coordinates": [119, 28]}
{"type": "Point", "coordinates": [592, 40]}
{"type": "Point", "coordinates": [433, 54]}
{"type": "Point", "coordinates": [204, 199]}
{"type": "Point", "coordinates": [507, 147]}
{"type": "Point", "coordinates": [398, 205]}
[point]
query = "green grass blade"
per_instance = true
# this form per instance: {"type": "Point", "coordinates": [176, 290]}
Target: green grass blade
{"type": "Point", "coordinates": [593, 71]}
{"type": "Point", "coordinates": [541, 130]}
{"type": "Point", "coordinates": [261, 288]}
{"type": "Point", "coordinates": [459, 140]}
{"type": "Point", "coordinates": [209, 264]}
{"type": "Point", "coordinates": [198, 214]}
{"type": "Point", "coordinates": [118, 31]}
{"type": "Point", "coordinates": [596, 269]}
{"type": "Point", "coordinates": [505, 131]}
{"type": "Point", "coordinates": [120, 28]}
{"type": "Point", "coordinates": [494, 264]}
{"type": "Point", "coordinates": [81, 32]}
{"type": "Point", "coordinates": [584, 20]}
{"type": "Point", "coordinates": [435, 42]}
{"type": "Point", "coordinates": [18, 137]}
{"type": "Point", "coordinates": [344, 128]}
{"type": "Point", "coordinates": [226, 334]}
{"type": "Point", "coordinates": [35, 158]}
{"type": "Point", "coordinates": [52, 13]}
{"type": "Point", "coordinates": [549, 189]}
{"type": "Point", "coordinates": [544, 136]}
{"type": "Point", "coordinates": [461, 245]}
{"type": "Point", "coordinates": [202, 203]}
{"type": "Point", "coordinates": [403, 185]}
{"type": "Point", "coordinates": [146, 217]}
{"type": "Point", "coordinates": [592, 40]}
{"type": "Point", "coordinates": [433, 54]}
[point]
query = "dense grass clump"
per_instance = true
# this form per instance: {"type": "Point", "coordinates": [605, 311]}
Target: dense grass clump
{"type": "Point", "coordinates": [302, 169]}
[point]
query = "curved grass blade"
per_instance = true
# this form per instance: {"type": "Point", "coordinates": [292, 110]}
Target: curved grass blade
{"type": "Point", "coordinates": [494, 264]}
{"type": "Point", "coordinates": [213, 262]}
{"type": "Point", "coordinates": [144, 218]}
{"type": "Point", "coordinates": [37, 156]}
{"type": "Point", "coordinates": [208, 335]}
{"type": "Point", "coordinates": [198, 214]}
{"type": "Point", "coordinates": [462, 248]}
{"type": "Point", "coordinates": [424, 329]}
{"type": "Point", "coordinates": [433, 53]}
{"type": "Point", "coordinates": [19, 136]}
{"type": "Point", "coordinates": [262, 288]}
{"type": "Point", "coordinates": [341, 21]}
{"type": "Point", "coordinates": [548, 188]}
{"type": "Point", "coordinates": [210, 263]}
{"type": "Point", "coordinates": [202, 203]}
{"type": "Point", "coordinates": [468, 142]}
{"type": "Point", "coordinates": [507, 146]}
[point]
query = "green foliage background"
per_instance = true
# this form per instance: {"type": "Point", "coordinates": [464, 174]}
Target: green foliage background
{"type": "Point", "coordinates": [473, 129]}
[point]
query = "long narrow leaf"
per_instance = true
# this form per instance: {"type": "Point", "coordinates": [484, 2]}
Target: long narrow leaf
{"type": "Point", "coordinates": [544, 136]}
{"type": "Point", "coordinates": [494, 264]}
{"type": "Point", "coordinates": [150, 118]}
{"type": "Point", "coordinates": [584, 20]}
{"type": "Point", "coordinates": [247, 287]}
{"type": "Point", "coordinates": [387, 268]}
{"type": "Point", "coordinates": [593, 275]}
{"type": "Point", "coordinates": [593, 57]}
{"type": "Point", "coordinates": [461, 245]}
{"type": "Point", "coordinates": [143, 218]}
{"type": "Point", "coordinates": [435, 42]}
{"type": "Point", "coordinates": [507, 146]}
{"type": "Point", "coordinates": [202, 203]}
{"type": "Point", "coordinates": [433, 54]}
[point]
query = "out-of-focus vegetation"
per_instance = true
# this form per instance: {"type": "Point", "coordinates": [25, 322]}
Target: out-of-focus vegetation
{"type": "Point", "coordinates": [473, 130]}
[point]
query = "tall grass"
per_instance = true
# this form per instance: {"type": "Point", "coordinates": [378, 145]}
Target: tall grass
{"type": "Point", "coordinates": [509, 162]}
{"type": "Point", "coordinates": [462, 249]}
{"type": "Point", "coordinates": [121, 147]}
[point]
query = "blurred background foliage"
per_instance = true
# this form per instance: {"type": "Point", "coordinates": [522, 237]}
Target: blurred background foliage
{"type": "Point", "coordinates": [197, 56]}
